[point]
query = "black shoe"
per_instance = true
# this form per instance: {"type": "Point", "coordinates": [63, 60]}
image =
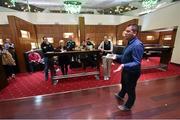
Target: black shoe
{"type": "Point", "coordinates": [123, 108]}
{"type": "Point", "coordinates": [118, 97]}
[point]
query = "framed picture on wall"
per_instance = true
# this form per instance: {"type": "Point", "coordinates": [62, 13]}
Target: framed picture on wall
{"type": "Point", "coordinates": [67, 35]}
{"type": "Point", "coordinates": [167, 37]}
{"type": "Point", "coordinates": [50, 39]}
{"type": "Point", "coordinates": [150, 37]}
{"type": "Point", "coordinates": [25, 34]}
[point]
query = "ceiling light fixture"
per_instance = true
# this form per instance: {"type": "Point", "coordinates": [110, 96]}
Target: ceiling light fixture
{"type": "Point", "coordinates": [72, 6]}
{"type": "Point", "coordinates": [149, 4]}
{"type": "Point", "coordinates": [13, 2]}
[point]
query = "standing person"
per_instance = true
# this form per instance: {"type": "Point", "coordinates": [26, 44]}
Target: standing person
{"type": "Point", "coordinates": [106, 47]}
{"type": "Point", "coordinates": [46, 47]}
{"type": "Point", "coordinates": [63, 60]}
{"type": "Point", "coordinates": [130, 65]}
{"type": "Point", "coordinates": [70, 44]}
{"type": "Point", "coordinates": [8, 62]}
{"type": "Point", "coordinates": [8, 44]}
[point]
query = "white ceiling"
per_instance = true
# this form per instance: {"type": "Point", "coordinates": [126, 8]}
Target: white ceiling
{"type": "Point", "coordinates": [93, 4]}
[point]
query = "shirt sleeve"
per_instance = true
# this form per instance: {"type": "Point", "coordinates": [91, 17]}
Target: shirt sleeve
{"type": "Point", "coordinates": [137, 55]}
{"type": "Point", "coordinates": [118, 58]}
{"type": "Point", "coordinates": [101, 45]}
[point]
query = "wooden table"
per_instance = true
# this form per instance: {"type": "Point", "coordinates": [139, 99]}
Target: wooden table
{"type": "Point", "coordinates": [55, 78]}
{"type": "Point", "coordinates": [165, 55]}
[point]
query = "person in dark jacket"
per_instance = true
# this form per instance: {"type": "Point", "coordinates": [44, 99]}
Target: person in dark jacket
{"type": "Point", "coordinates": [130, 65]}
{"type": "Point", "coordinates": [46, 47]}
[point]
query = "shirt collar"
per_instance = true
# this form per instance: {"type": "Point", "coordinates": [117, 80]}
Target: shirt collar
{"type": "Point", "coordinates": [132, 40]}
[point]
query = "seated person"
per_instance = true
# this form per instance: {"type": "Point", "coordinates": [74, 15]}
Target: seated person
{"type": "Point", "coordinates": [106, 47]}
{"type": "Point", "coordinates": [34, 59]}
{"type": "Point", "coordinates": [88, 44]}
{"type": "Point", "coordinates": [90, 59]}
{"type": "Point", "coordinates": [63, 60]}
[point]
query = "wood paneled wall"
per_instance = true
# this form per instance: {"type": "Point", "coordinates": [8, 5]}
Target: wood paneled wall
{"type": "Point", "coordinates": [120, 28]}
{"type": "Point", "coordinates": [167, 42]}
{"type": "Point", "coordinates": [5, 32]}
{"type": "Point", "coordinates": [21, 44]}
{"type": "Point", "coordinates": [97, 32]}
{"type": "Point", "coordinates": [142, 37]}
{"type": "Point", "coordinates": [56, 32]}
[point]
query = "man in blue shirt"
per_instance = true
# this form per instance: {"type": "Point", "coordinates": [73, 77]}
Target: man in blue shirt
{"type": "Point", "coordinates": [130, 65]}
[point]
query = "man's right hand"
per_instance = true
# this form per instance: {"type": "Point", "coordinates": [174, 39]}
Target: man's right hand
{"type": "Point", "coordinates": [119, 68]}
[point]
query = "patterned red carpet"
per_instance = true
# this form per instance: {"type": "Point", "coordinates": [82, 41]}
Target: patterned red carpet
{"type": "Point", "coordinates": [27, 84]}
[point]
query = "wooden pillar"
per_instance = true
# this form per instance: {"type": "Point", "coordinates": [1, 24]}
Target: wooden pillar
{"type": "Point", "coordinates": [18, 47]}
{"type": "Point", "coordinates": [81, 29]}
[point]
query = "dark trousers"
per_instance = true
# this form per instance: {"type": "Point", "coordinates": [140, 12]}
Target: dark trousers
{"type": "Point", "coordinates": [64, 68]}
{"type": "Point", "coordinates": [129, 81]}
{"type": "Point", "coordinates": [48, 64]}
{"type": "Point", "coordinates": [9, 69]}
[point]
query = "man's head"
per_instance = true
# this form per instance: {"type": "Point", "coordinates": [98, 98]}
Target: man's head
{"type": "Point", "coordinates": [105, 38]}
{"type": "Point", "coordinates": [45, 40]}
{"type": "Point", "coordinates": [130, 31]}
{"type": "Point", "coordinates": [8, 40]}
{"type": "Point", "coordinates": [61, 43]}
{"type": "Point", "coordinates": [87, 39]}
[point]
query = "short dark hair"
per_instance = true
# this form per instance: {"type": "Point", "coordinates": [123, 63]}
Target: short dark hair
{"type": "Point", "coordinates": [135, 27]}
{"type": "Point", "coordinates": [44, 37]}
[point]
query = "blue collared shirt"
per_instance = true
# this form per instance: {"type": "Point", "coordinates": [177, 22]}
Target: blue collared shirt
{"type": "Point", "coordinates": [132, 55]}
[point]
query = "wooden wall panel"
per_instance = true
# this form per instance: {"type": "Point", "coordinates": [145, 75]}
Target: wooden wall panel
{"type": "Point", "coordinates": [120, 28]}
{"type": "Point", "coordinates": [97, 32]}
{"type": "Point", "coordinates": [5, 32]}
{"type": "Point", "coordinates": [56, 32]}
{"type": "Point", "coordinates": [21, 44]}
{"type": "Point", "coordinates": [142, 37]}
{"type": "Point", "coordinates": [167, 42]}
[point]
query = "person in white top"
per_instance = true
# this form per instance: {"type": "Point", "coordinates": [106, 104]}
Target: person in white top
{"type": "Point", "coordinates": [106, 47]}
